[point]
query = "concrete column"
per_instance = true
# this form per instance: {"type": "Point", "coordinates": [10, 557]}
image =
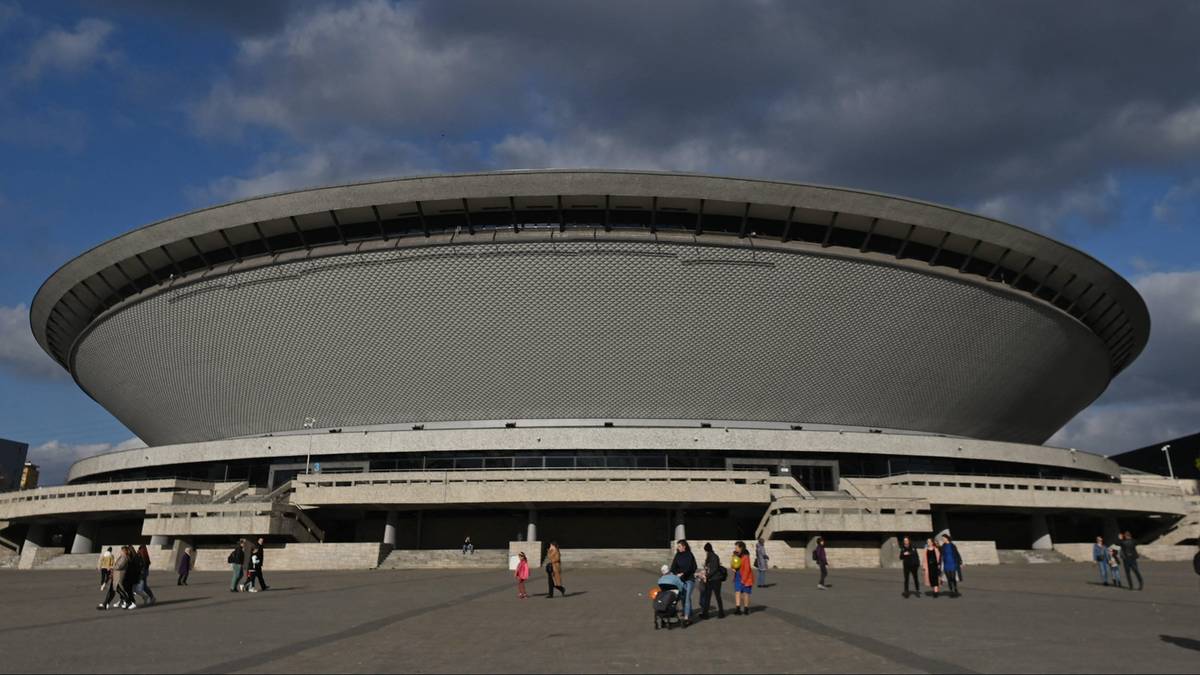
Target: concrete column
{"type": "Point", "coordinates": [160, 541]}
{"type": "Point", "coordinates": [680, 530]}
{"type": "Point", "coordinates": [1111, 530]}
{"type": "Point", "coordinates": [1039, 533]}
{"type": "Point", "coordinates": [85, 538]}
{"type": "Point", "coordinates": [36, 538]}
{"type": "Point", "coordinates": [941, 524]}
{"type": "Point", "coordinates": [531, 533]}
{"type": "Point", "coordinates": [390, 527]}
{"type": "Point", "coordinates": [889, 553]}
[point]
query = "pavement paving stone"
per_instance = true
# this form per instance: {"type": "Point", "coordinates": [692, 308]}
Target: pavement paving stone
{"type": "Point", "coordinates": [1028, 618]}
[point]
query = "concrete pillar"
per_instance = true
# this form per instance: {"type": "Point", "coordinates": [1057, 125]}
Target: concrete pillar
{"type": "Point", "coordinates": [531, 533]}
{"type": "Point", "coordinates": [85, 538]}
{"type": "Point", "coordinates": [36, 538]}
{"type": "Point", "coordinates": [390, 527]}
{"type": "Point", "coordinates": [1039, 533]}
{"type": "Point", "coordinates": [160, 541]}
{"type": "Point", "coordinates": [889, 553]}
{"type": "Point", "coordinates": [680, 530]}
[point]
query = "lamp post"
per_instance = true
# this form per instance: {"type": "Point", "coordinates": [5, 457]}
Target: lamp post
{"type": "Point", "coordinates": [1167, 451]}
{"type": "Point", "coordinates": [308, 424]}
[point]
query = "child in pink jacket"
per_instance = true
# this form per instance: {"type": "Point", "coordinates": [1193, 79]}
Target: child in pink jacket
{"type": "Point", "coordinates": [522, 574]}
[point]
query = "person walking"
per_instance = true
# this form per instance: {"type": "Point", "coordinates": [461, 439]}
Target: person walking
{"type": "Point", "coordinates": [133, 574]}
{"type": "Point", "coordinates": [105, 565]}
{"type": "Point", "coordinates": [743, 578]}
{"type": "Point", "coordinates": [257, 559]}
{"type": "Point", "coordinates": [1100, 556]}
{"type": "Point", "coordinates": [951, 563]}
{"type": "Point", "coordinates": [684, 566]}
{"type": "Point", "coordinates": [714, 576]}
{"type": "Point", "coordinates": [116, 582]}
{"type": "Point", "coordinates": [237, 562]}
{"type": "Point", "coordinates": [554, 570]}
{"type": "Point", "coordinates": [761, 562]}
{"type": "Point", "coordinates": [822, 560]}
{"type": "Point", "coordinates": [142, 587]}
{"type": "Point", "coordinates": [932, 564]}
{"type": "Point", "coordinates": [1113, 562]}
{"type": "Point", "coordinates": [184, 567]}
{"type": "Point", "coordinates": [1129, 555]}
{"type": "Point", "coordinates": [910, 562]}
{"type": "Point", "coordinates": [522, 574]}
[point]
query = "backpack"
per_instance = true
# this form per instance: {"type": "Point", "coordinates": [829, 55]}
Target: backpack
{"type": "Point", "coordinates": [723, 574]}
{"type": "Point", "coordinates": [814, 556]}
{"type": "Point", "coordinates": [232, 557]}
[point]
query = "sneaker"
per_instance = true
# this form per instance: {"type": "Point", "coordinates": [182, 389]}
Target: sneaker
{"type": "Point", "coordinates": [253, 590]}
{"type": "Point", "coordinates": [131, 606]}
{"type": "Point", "coordinates": [102, 606]}
{"type": "Point", "coordinates": [822, 586]}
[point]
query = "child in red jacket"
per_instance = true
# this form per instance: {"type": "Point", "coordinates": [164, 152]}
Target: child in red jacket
{"type": "Point", "coordinates": [521, 575]}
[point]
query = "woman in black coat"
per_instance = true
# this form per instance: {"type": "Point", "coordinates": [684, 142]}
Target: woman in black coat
{"type": "Point", "coordinates": [712, 583]}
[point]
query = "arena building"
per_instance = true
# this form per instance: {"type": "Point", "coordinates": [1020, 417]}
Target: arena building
{"type": "Point", "coordinates": [367, 374]}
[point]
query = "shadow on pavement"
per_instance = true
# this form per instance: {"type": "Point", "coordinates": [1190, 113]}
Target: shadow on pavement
{"type": "Point", "coordinates": [1186, 643]}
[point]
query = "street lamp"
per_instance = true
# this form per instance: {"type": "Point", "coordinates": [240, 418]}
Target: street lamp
{"type": "Point", "coordinates": [308, 424]}
{"type": "Point", "coordinates": [1166, 451]}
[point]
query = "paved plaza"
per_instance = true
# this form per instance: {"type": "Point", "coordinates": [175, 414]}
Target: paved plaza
{"type": "Point", "coordinates": [1035, 618]}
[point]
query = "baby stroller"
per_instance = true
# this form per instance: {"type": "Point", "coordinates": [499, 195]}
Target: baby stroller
{"type": "Point", "coordinates": [666, 612]}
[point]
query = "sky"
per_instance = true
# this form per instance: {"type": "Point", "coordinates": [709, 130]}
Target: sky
{"type": "Point", "coordinates": [1080, 120]}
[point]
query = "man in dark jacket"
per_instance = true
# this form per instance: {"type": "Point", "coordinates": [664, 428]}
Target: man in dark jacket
{"type": "Point", "coordinates": [712, 582]}
{"type": "Point", "coordinates": [256, 565]}
{"type": "Point", "coordinates": [910, 557]}
{"type": "Point", "coordinates": [1129, 554]}
{"type": "Point", "coordinates": [684, 567]}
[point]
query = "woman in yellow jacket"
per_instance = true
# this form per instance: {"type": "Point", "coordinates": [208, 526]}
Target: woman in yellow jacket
{"type": "Point", "coordinates": [743, 578]}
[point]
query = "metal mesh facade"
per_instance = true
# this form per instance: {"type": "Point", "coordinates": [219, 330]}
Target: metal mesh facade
{"type": "Point", "coordinates": [589, 330]}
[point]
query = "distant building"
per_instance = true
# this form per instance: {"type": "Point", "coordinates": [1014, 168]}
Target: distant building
{"type": "Point", "coordinates": [29, 476]}
{"type": "Point", "coordinates": [12, 459]}
{"type": "Point", "coordinates": [1184, 452]}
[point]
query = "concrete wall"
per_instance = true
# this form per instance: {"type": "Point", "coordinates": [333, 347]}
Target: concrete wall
{"type": "Point", "coordinates": [301, 557]}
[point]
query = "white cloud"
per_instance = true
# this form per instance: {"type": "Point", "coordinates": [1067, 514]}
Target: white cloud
{"type": "Point", "coordinates": [1158, 397]}
{"type": "Point", "coordinates": [347, 159]}
{"type": "Point", "coordinates": [69, 51]}
{"type": "Point", "coordinates": [54, 457]}
{"type": "Point", "coordinates": [1093, 203]}
{"type": "Point", "coordinates": [19, 352]}
{"type": "Point", "coordinates": [1180, 205]}
{"type": "Point", "coordinates": [368, 64]}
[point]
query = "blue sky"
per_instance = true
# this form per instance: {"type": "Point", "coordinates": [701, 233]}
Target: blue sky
{"type": "Point", "coordinates": [1076, 119]}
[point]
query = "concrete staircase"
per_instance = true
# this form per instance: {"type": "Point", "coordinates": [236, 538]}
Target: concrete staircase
{"type": "Point", "coordinates": [403, 559]}
{"type": "Point", "coordinates": [1184, 529]}
{"type": "Point", "coordinates": [72, 561]}
{"type": "Point", "coordinates": [1030, 557]}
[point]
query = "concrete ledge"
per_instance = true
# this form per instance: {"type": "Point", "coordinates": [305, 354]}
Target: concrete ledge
{"type": "Point", "coordinates": [1167, 553]}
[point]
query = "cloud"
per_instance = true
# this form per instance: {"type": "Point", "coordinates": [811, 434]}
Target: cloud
{"type": "Point", "coordinates": [1180, 205]}
{"type": "Point", "coordinates": [346, 159]}
{"type": "Point", "coordinates": [67, 51]}
{"type": "Point", "coordinates": [19, 352]}
{"type": "Point", "coordinates": [390, 75]}
{"type": "Point", "coordinates": [54, 458]}
{"type": "Point", "coordinates": [944, 101]}
{"type": "Point", "coordinates": [1158, 397]}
